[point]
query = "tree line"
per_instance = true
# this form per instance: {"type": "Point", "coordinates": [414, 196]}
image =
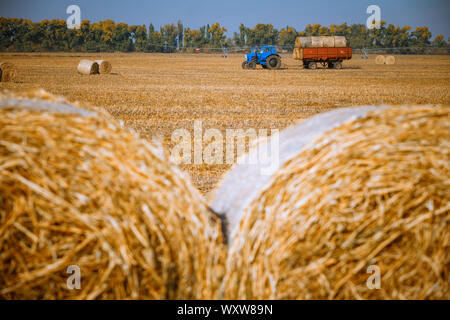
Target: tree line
{"type": "Point", "coordinates": [108, 36]}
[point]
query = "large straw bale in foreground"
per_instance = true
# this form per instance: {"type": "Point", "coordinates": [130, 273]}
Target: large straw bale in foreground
{"type": "Point", "coordinates": [104, 66]}
{"type": "Point", "coordinates": [76, 189]}
{"type": "Point", "coordinates": [7, 72]}
{"type": "Point", "coordinates": [88, 67]}
{"type": "Point", "coordinates": [242, 184]}
{"type": "Point", "coordinates": [373, 192]}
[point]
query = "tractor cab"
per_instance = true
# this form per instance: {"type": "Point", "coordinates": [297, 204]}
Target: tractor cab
{"type": "Point", "coordinates": [266, 56]}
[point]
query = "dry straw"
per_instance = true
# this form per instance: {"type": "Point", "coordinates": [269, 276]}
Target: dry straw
{"type": "Point", "coordinates": [7, 72]}
{"type": "Point", "coordinates": [76, 189]}
{"type": "Point", "coordinates": [371, 192]}
{"type": "Point", "coordinates": [241, 185]}
{"type": "Point", "coordinates": [104, 66]}
{"type": "Point", "coordinates": [88, 67]}
{"type": "Point", "coordinates": [340, 41]}
{"type": "Point", "coordinates": [390, 60]}
{"type": "Point", "coordinates": [380, 59]}
{"type": "Point", "coordinates": [320, 42]}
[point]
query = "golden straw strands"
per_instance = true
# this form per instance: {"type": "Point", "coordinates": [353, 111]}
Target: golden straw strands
{"type": "Point", "coordinates": [77, 189]}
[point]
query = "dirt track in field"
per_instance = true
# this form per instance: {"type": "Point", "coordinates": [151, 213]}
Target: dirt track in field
{"type": "Point", "coordinates": [156, 94]}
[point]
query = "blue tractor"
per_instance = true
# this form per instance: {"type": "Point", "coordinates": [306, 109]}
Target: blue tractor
{"type": "Point", "coordinates": [266, 56]}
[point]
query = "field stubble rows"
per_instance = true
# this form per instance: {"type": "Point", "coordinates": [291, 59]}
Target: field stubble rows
{"type": "Point", "coordinates": [156, 94]}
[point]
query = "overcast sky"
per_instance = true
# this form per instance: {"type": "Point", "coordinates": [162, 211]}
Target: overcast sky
{"type": "Point", "coordinates": [230, 13]}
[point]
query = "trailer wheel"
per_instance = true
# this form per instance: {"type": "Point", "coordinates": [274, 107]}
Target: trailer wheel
{"type": "Point", "coordinates": [273, 62]}
{"type": "Point", "coordinates": [338, 65]}
{"type": "Point", "coordinates": [244, 65]}
{"type": "Point", "coordinates": [251, 65]}
{"type": "Point", "coordinates": [330, 65]}
{"type": "Point", "coordinates": [312, 65]}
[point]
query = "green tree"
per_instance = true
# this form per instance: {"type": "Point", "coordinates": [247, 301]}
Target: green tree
{"type": "Point", "coordinates": [180, 33]}
{"type": "Point", "coordinates": [287, 37]}
{"type": "Point", "coordinates": [262, 34]}
{"type": "Point", "coordinates": [421, 37]}
{"type": "Point", "coordinates": [169, 35]}
{"type": "Point", "coordinates": [140, 37]}
{"type": "Point", "coordinates": [217, 35]}
{"type": "Point", "coordinates": [439, 41]}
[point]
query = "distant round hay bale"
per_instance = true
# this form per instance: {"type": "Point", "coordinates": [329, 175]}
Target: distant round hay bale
{"type": "Point", "coordinates": [302, 42]}
{"type": "Point", "coordinates": [340, 41]}
{"type": "Point", "coordinates": [328, 42]}
{"type": "Point", "coordinates": [370, 194]}
{"type": "Point", "coordinates": [104, 66]}
{"type": "Point", "coordinates": [380, 59]}
{"type": "Point", "coordinates": [316, 42]}
{"type": "Point", "coordinates": [390, 60]}
{"type": "Point", "coordinates": [7, 72]}
{"type": "Point", "coordinates": [78, 191]}
{"type": "Point", "coordinates": [88, 67]}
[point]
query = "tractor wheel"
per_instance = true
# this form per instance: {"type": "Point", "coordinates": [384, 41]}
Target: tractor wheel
{"type": "Point", "coordinates": [338, 65]}
{"type": "Point", "coordinates": [244, 65]}
{"type": "Point", "coordinates": [312, 65]}
{"type": "Point", "coordinates": [264, 66]}
{"type": "Point", "coordinates": [251, 65]}
{"type": "Point", "coordinates": [273, 62]}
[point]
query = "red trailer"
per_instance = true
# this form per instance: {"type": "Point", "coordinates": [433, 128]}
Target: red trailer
{"type": "Point", "coordinates": [327, 57]}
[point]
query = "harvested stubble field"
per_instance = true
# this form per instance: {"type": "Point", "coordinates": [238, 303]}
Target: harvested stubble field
{"type": "Point", "coordinates": [156, 94]}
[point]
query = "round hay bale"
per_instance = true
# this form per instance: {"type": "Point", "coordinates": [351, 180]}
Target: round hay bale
{"type": "Point", "coordinates": [242, 184]}
{"type": "Point", "coordinates": [390, 60]}
{"type": "Point", "coordinates": [370, 194]}
{"type": "Point", "coordinates": [79, 192]}
{"type": "Point", "coordinates": [302, 42]}
{"type": "Point", "coordinates": [88, 67]}
{"type": "Point", "coordinates": [327, 41]}
{"type": "Point", "coordinates": [104, 66]}
{"type": "Point", "coordinates": [7, 72]}
{"type": "Point", "coordinates": [340, 41]}
{"type": "Point", "coordinates": [316, 42]}
{"type": "Point", "coordinates": [380, 59]}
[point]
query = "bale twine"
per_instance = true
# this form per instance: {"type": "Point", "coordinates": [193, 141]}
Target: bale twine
{"type": "Point", "coordinates": [104, 66]}
{"type": "Point", "coordinates": [78, 190]}
{"type": "Point", "coordinates": [88, 67]}
{"type": "Point", "coordinates": [390, 60]}
{"type": "Point", "coordinates": [7, 72]}
{"type": "Point", "coordinates": [371, 193]}
{"type": "Point", "coordinates": [380, 59]}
